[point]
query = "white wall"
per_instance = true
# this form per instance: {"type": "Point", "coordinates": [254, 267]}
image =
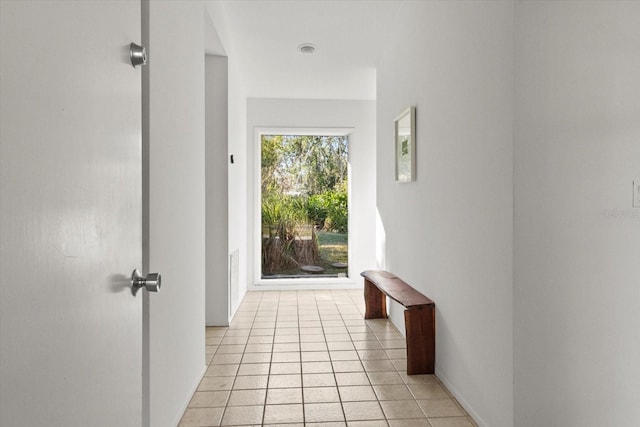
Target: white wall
{"type": "Point", "coordinates": [238, 189]}
{"type": "Point", "coordinates": [217, 211]}
{"type": "Point", "coordinates": [175, 216]}
{"type": "Point", "coordinates": [358, 115]}
{"type": "Point", "coordinates": [449, 234]}
{"type": "Point", "coordinates": [239, 192]}
{"type": "Point", "coordinates": [577, 281]}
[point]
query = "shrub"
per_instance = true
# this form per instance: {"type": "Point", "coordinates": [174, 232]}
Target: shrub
{"type": "Point", "coordinates": [329, 210]}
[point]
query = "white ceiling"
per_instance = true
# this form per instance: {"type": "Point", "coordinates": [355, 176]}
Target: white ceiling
{"type": "Point", "coordinates": [348, 34]}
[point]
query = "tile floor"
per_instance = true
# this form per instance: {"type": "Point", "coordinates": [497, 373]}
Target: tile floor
{"type": "Point", "coordinates": [308, 358]}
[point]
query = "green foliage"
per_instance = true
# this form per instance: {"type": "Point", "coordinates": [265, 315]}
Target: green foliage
{"type": "Point", "coordinates": [279, 208]}
{"type": "Point", "coordinates": [329, 209]}
{"type": "Point", "coordinates": [302, 164]}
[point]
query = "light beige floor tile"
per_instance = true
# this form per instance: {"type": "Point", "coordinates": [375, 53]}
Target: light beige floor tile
{"type": "Point", "coordinates": [262, 332]}
{"type": "Point", "coordinates": [315, 356]}
{"type": "Point", "coordinates": [285, 357]}
{"type": "Point", "coordinates": [419, 379]}
{"type": "Point", "coordinates": [372, 355]}
{"type": "Point", "coordinates": [330, 323]}
{"type": "Point", "coordinates": [393, 392]}
{"type": "Point", "coordinates": [316, 367]}
{"type": "Point", "coordinates": [336, 330]}
{"type": "Point", "coordinates": [227, 349]}
{"type": "Point", "coordinates": [400, 364]}
{"type": "Point", "coordinates": [388, 336]}
{"type": "Point", "coordinates": [288, 347]}
{"type": "Point", "coordinates": [207, 359]}
{"type": "Point", "coordinates": [290, 413]}
{"type": "Point", "coordinates": [312, 331]}
{"type": "Point", "coordinates": [440, 408]}
{"type": "Point", "coordinates": [285, 381]}
{"type": "Point", "coordinates": [309, 323]}
{"type": "Point", "coordinates": [367, 345]}
{"type": "Point", "coordinates": [287, 322]}
{"type": "Point", "coordinates": [337, 337]}
{"type": "Point", "coordinates": [428, 391]}
{"type": "Point", "coordinates": [364, 336]}
{"type": "Point", "coordinates": [256, 358]}
{"type": "Point", "coordinates": [351, 378]}
{"type": "Point", "coordinates": [323, 412]}
{"type": "Point", "coordinates": [201, 417]}
{"type": "Point", "coordinates": [378, 366]}
{"type": "Point", "coordinates": [209, 399]}
{"type": "Point", "coordinates": [357, 393]}
{"type": "Point", "coordinates": [285, 339]}
{"type": "Point", "coordinates": [238, 332]}
{"type": "Point", "coordinates": [285, 368]}
{"type": "Point", "coordinates": [347, 366]}
{"type": "Point", "coordinates": [226, 359]}
{"type": "Point", "coordinates": [264, 322]}
{"type": "Point", "coordinates": [227, 340]}
{"type": "Point", "coordinates": [355, 326]}
{"type": "Point", "coordinates": [277, 396]}
{"type": "Point", "coordinates": [242, 415]}
{"type": "Point", "coordinates": [384, 378]}
{"type": "Point", "coordinates": [396, 353]}
{"type": "Point", "coordinates": [313, 346]}
{"type": "Point", "coordinates": [213, 331]}
{"type": "Point", "coordinates": [213, 340]}
{"type": "Point", "coordinates": [250, 382]}
{"type": "Point", "coordinates": [416, 422]}
{"type": "Point", "coordinates": [222, 370]}
{"type": "Point", "coordinates": [450, 422]}
{"type": "Point", "coordinates": [398, 409]}
{"type": "Point", "coordinates": [317, 339]}
{"type": "Point", "coordinates": [388, 344]}
{"type": "Point", "coordinates": [341, 346]}
{"type": "Point", "coordinates": [343, 355]}
{"type": "Point", "coordinates": [318, 380]}
{"type": "Point", "coordinates": [247, 397]}
{"type": "Point", "coordinates": [329, 424]}
{"type": "Point", "coordinates": [312, 338]}
{"type": "Point", "coordinates": [216, 383]}
{"type": "Point", "coordinates": [258, 348]}
{"type": "Point", "coordinates": [321, 395]}
{"type": "Point", "coordinates": [371, 423]}
{"type": "Point", "coordinates": [254, 369]}
{"type": "Point", "coordinates": [260, 339]}
{"type": "Point", "coordinates": [358, 411]}
{"type": "Point", "coordinates": [243, 327]}
{"type": "Point", "coordinates": [281, 332]}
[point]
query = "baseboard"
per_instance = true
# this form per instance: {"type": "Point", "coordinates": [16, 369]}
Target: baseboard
{"type": "Point", "coordinates": [193, 390]}
{"type": "Point", "coordinates": [472, 413]}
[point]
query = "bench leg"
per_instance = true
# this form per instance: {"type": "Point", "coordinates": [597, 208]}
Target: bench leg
{"type": "Point", "coordinates": [420, 324]}
{"type": "Point", "coordinates": [375, 302]}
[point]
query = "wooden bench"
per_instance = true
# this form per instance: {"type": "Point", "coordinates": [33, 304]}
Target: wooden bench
{"type": "Point", "coordinates": [419, 316]}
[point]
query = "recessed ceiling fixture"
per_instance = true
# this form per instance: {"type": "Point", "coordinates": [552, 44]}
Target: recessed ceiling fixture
{"type": "Point", "coordinates": [307, 48]}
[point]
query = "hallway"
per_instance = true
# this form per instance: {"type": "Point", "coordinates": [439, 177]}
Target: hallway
{"type": "Point", "coordinates": [309, 358]}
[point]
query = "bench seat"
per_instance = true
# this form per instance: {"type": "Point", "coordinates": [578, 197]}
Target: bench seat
{"type": "Point", "coordinates": [419, 316]}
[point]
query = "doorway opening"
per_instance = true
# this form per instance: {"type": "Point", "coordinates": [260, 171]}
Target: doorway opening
{"type": "Point", "coordinates": [304, 205]}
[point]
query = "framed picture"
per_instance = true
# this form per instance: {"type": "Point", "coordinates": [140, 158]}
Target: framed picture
{"type": "Point", "coordinates": [405, 142]}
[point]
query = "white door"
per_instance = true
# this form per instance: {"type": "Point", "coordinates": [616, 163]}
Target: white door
{"type": "Point", "coordinates": [70, 214]}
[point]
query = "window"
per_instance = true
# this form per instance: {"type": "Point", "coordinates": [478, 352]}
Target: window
{"type": "Point", "coordinates": [304, 205]}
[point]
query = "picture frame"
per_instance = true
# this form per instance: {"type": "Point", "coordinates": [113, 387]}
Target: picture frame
{"type": "Point", "coordinates": [405, 145]}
